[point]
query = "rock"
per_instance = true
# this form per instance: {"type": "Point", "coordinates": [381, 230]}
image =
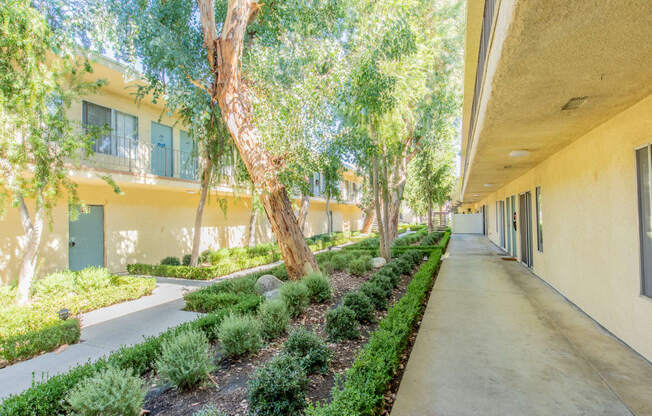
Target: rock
{"type": "Point", "coordinates": [378, 262]}
{"type": "Point", "coordinates": [267, 282]}
{"type": "Point", "coordinates": [272, 294]}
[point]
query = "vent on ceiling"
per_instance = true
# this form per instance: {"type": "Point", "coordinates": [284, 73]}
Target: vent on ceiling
{"type": "Point", "coordinates": [574, 103]}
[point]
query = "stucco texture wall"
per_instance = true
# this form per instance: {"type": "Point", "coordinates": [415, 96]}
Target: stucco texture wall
{"type": "Point", "coordinates": [590, 224]}
{"type": "Point", "coordinates": [146, 224]}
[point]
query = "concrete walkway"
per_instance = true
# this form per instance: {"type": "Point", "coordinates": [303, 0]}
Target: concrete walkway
{"type": "Point", "coordinates": [496, 340]}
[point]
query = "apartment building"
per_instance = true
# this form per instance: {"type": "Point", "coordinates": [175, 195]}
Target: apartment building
{"type": "Point", "coordinates": [153, 160]}
{"type": "Point", "coordinates": [557, 128]}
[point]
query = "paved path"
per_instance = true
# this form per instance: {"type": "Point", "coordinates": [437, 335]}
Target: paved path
{"type": "Point", "coordinates": [496, 340]}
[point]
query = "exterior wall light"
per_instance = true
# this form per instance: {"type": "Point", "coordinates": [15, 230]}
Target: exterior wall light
{"type": "Point", "coordinates": [64, 314]}
{"type": "Point", "coordinates": [518, 153]}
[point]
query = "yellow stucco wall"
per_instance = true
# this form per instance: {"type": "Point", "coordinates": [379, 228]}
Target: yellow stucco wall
{"type": "Point", "coordinates": [590, 224]}
{"type": "Point", "coordinates": [154, 218]}
{"type": "Point", "coordinates": [147, 224]}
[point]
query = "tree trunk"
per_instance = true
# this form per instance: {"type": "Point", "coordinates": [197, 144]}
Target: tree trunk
{"type": "Point", "coordinates": [251, 239]}
{"type": "Point", "coordinates": [384, 250]}
{"type": "Point", "coordinates": [385, 202]}
{"type": "Point", "coordinates": [329, 228]}
{"type": "Point", "coordinates": [33, 234]}
{"type": "Point", "coordinates": [232, 95]}
{"type": "Point", "coordinates": [369, 217]}
{"type": "Point", "coordinates": [303, 211]}
{"type": "Point", "coordinates": [205, 185]}
{"type": "Point", "coordinates": [430, 228]}
{"type": "Point", "coordinates": [395, 211]}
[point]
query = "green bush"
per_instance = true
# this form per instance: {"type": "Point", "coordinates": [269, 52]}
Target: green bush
{"type": "Point", "coordinates": [209, 410]}
{"type": "Point", "coordinates": [359, 266]}
{"type": "Point", "coordinates": [240, 335]}
{"type": "Point", "coordinates": [274, 318]}
{"type": "Point", "coordinates": [319, 287]}
{"type": "Point", "coordinates": [367, 380]}
{"type": "Point", "coordinates": [394, 276]}
{"type": "Point", "coordinates": [23, 346]}
{"type": "Point", "coordinates": [186, 259]}
{"type": "Point", "coordinates": [341, 324]}
{"type": "Point", "coordinates": [327, 267]}
{"type": "Point", "coordinates": [376, 295]}
{"type": "Point", "coordinates": [112, 392]}
{"type": "Point", "coordinates": [296, 297]}
{"type": "Point", "coordinates": [384, 282]}
{"type": "Point", "coordinates": [404, 266]}
{"type": "Point", "coordinates": [309, 349]}
{"type": "Point", "coordinates": [278, 388]}
{"type": "Point", "coordinates": [359, 303]}
{"type": "Point", "coordinates": [185, 359]}
{"type": "Point", "coordinates": [170, 261]}
{"type": "Point", "coordinates": [340, 261]}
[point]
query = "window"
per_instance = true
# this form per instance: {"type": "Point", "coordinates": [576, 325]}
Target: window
{"type": "Point", "coordinates": [644, 220]}
{"type": "Point", "coordinates": [539, 209]}
{"type": "Point", "coordinates": [123, 134]}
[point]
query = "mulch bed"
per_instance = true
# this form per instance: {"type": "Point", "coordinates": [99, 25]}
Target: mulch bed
{"type": "Point", "coordinates": [229, 391]}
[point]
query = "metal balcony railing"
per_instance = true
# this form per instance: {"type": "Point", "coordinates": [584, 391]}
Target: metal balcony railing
{"type": "Point", "coordinates": [483, 51]}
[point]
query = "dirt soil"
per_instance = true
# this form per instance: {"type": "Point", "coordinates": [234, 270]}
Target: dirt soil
{"type": "Point", "coordinates": [228, 389]}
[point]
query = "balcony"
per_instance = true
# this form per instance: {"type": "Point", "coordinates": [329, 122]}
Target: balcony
{"type": "Point", "coordinates": [126, 154]}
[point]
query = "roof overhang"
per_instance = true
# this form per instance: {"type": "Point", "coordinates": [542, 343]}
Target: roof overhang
{"type": "Point", "coordinates": [555, 70]}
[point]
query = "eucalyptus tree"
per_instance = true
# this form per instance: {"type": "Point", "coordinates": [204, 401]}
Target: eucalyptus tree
{"type": "Point", "coordinates": [39, 77]}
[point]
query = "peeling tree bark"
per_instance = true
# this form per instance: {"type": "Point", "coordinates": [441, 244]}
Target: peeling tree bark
{"type": "Point", "coordinates": [232, 95]}
{"type": "Point", "coordinates": [33, 234]}
{"type": "Point", "coordinates": [369, 217]}
{"type": "Point", "coordinates": [199, 215]}
{"type": "Point", "coordinates": [303, 211]}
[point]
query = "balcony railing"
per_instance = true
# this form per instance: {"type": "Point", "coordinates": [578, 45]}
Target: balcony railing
{"type": "Point", "coordinates": [485, 37]}
{"type": "Point", "coordinates": [128, 154]}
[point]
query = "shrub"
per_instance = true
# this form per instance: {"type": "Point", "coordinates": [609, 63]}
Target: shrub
{"type": "Point", "coordinates": [368, 378]}
{"type": "Point", "coordinates": [310, 349]}
{"type": "Point", "coordinates": [376, 295]}
{"type": "Point", "coordinates": [170, 261]}
{"type": "Point", "coordinates": [185, 359]}
{"type": "Point", "coordinates": [359, 303]}
{"type": "Point", "coordinates": [385, 283]}
{"type": "Point", "coordinates": [404, 266]}
{"type": "Point", "coordinates": [278, 388]}
{"type": "Point", "coordinates": [327, 266]}
{"type": "Point", "coordinates": [22, 346]}
{"type": "Point", "coordinates": [209, 410]}
{"type": "Point", "coordinates": [186, 259]}
{"type": "Point", "coordinates": [319, 287]}
{"type": "Point", "coordinates": [341, 324]}
{"type": "Point", "coordinates": [274, 318]}
{"type": "Point", "coordinates": [239, 335]}
{"type": "Point", "coordinates": [340, 261]}
{"type": "Point", "coordinates": [359, 266]}
{"type": "Point", "coordinates": [112, 392]}
{"type": "Point", "coordinates": [394, 277]}
{"type": "Point", "coordinates": [55, 284]}
{"type": "Point", "coordinates": [296, 297]}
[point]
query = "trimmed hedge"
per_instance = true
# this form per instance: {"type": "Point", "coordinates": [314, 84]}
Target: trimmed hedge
{"type": "Point", "coordinates": [366, 382]}
{"type": "Point", "coordinates": [23, 346]}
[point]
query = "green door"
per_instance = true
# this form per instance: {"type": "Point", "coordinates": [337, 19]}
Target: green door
{"type": "Point", "coordinates": [86, 239]}
{"type": "Point", "coordinates": [513, 221]}
{"type": "Point", "coordinates": [161, 150]}
{"type": "Point", "coordinates": [187, 156]}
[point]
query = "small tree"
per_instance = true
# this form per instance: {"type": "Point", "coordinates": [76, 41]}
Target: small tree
{"type": "Point", "coordinates": [39, 78]}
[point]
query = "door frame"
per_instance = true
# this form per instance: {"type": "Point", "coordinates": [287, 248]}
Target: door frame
{"type": "Point", "coordinates": [103, 233]}
{"type": "Point", "coordinates": [525, 222]}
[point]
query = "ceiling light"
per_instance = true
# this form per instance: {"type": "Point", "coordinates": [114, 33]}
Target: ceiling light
{"type": "Point", "coordinates": [507, 166]}
{"type": "Point", "coordinates": [574, 102]}
{"type": "Point", "coordinates": [476, 194]}
{"type": "Point", "coordinates": [518, 153]}
{"type": "Point", "coordinates": [488, 185]}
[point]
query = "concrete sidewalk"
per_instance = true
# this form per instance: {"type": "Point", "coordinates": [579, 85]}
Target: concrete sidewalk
{"type": "Point", "coordinates": [496, 340]}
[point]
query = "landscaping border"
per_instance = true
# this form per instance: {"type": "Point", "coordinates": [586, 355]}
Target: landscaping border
{"type": "Point", "coordinates": [363, 390]}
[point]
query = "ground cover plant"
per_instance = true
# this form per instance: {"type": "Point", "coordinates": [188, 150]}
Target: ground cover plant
{"type": "Point", "coordinates": [34, 328]}
{"type": "Point", "coordinates": [233, 377]}
{"type": "Point", "coordinates": [216, 263]}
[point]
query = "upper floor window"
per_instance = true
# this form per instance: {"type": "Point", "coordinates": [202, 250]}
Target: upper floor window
{"type": "Point", "coordinates": [121, 133]}
{"type": "Point", "coordinates": [644, 213]}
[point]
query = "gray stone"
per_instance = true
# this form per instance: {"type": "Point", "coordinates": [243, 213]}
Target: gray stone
{"type": "Point", "coordinates": [378, 262]}
{"type": "Point", "coordinates": [272, 294]}
{"type": "Point", "coordinates": [267, 282]}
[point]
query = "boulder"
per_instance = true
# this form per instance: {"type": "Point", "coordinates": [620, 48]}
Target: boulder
{"type": "Point", "coordinates": [267, 282]}
{"type": "Point", "coordinates": [378, 262]}
{"type": "Point", "coordinates": [272, 294]}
